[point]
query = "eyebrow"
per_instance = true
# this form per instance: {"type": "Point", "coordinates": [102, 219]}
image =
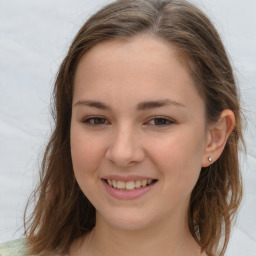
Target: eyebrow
{"type": "Point", "coordinates": [158, 103]}
{"type": "Point", "coordinates": [93, 104]}
{"type": "Point", "coordinates": [141, 106]}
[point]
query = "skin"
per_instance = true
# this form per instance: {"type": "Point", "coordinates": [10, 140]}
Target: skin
{"type": "Point", "coordinates": [169, 143]}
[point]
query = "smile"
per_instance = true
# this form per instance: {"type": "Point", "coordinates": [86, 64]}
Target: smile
{"type": "Point", "coordinates": [128, 189]}
{"type": "Point", "coordinates": [129, 185]}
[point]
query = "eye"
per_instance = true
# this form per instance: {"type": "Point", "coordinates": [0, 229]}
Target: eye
{"type": "Point", "coordinates": [160, 121]}
{"type": "Point", "coordinates": [96, 121]}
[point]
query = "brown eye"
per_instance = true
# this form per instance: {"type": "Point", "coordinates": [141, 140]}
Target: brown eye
{"type": "Point", "coordinates": [95, 121]}
{"type": "Point", "coordinates": [160, 121]}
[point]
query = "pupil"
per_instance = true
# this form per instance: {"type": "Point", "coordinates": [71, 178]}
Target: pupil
{"type": "Point", "coordinates": [98, 121]}
{"type": "Point", "coordinates": [160, 121]}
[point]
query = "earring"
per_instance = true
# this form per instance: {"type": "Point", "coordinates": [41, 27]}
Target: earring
{"type": "Point", "coordinates": [209, 159]}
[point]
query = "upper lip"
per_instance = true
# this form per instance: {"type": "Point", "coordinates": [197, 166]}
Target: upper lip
{"type": "Point", "coordinates": [127, 178]}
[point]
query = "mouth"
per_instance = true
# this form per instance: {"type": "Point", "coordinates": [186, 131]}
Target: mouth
{"type": "Point", "coordinates": [129, 185]}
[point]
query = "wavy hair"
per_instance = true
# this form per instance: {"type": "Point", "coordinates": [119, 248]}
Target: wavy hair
{"type": "Point", "coordinates": [61, 212]}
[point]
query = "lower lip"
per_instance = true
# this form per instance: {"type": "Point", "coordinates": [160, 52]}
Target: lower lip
{"type": "Point", "coordinates": [128, 194]}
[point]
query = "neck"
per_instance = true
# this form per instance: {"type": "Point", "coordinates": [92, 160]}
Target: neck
{"type": "Point", "coordinates": [170, 238]}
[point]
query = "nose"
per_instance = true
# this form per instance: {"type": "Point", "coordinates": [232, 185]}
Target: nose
{"type": "Point", "coordinates": [125, 148]}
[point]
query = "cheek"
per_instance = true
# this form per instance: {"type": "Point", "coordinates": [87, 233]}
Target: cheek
{"type": "Point", "coordinates": [85, 159]}
{"type": "Point", "coordinates": [178, 158]}
{"type": "Point", "coordinates": [86, 155]}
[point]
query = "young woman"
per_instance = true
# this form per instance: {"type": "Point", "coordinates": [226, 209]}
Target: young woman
{"type": "Point", "coordinates": [144, 155]}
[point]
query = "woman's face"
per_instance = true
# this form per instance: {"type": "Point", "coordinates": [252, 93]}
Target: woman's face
{"type": "Point", "coordinates": [138, 132]}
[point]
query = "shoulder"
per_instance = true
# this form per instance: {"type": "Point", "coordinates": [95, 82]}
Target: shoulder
{"type": "Point", "coordinates": [13, 248]}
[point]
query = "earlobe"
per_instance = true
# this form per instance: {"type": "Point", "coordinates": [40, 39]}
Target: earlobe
{"type": "Point", "coordinates": [217, 137]}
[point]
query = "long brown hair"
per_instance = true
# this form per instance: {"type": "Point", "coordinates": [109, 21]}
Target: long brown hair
{"type": "Point", "coordinates": [62, 212]}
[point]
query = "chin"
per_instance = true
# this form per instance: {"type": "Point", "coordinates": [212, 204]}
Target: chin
{"type": "Point", "coordinates": [127, 220]}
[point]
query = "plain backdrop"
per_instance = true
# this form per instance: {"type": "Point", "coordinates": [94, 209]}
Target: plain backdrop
{"type": "Point", "coordinates": [34, 37]}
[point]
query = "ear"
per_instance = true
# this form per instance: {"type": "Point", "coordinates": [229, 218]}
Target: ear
{"type": "Point", "coordinates": [217, 136]}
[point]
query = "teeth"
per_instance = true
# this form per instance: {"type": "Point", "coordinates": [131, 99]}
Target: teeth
{"type": "Point", "coordinates": [144, 183]}
{"type": "Point", "coordinates": [150, 182]}
{"type": "Point", "coordinates": [120, 184]}
{"type": "Point", "coordinates": [114, 183]}
{"type": "Point", "coordinates": [137, 184]}
{"type": "Point", "coordinates": [130, 185]}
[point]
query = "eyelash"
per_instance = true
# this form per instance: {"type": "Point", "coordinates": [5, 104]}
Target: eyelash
{"type": "Point", "coordinates": [88, 120]}
{"type": "Point", "coordinates": [167, 121]}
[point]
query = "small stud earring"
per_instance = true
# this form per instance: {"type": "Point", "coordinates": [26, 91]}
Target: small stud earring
{"type": "Point", "coordinates": [209, 159]}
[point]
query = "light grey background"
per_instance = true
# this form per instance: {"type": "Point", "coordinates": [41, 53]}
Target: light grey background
{"type": "Point", "coordinates": [34, 37]}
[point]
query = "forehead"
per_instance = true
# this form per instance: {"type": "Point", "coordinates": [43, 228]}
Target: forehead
{"type": "Point", "coordinates": [141, 49]}
{"type": "Point", "coordinates": [142, 66]}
